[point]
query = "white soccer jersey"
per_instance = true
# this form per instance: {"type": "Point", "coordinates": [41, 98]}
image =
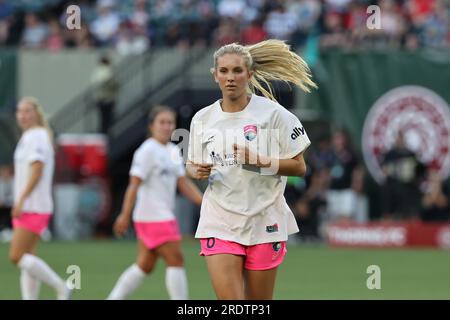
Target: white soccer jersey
{"type": "Point", "coordinates": [244, 203]}
{"type": "Point", "coordinates": [159, 166]}
{"type": "Point", "coordinates": [34, 145]}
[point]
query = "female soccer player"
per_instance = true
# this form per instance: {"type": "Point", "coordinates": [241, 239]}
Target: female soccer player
{"type": "Point", "coordinates": [33, 204]}
{"type": "Point", "coordinates": [246, 145]}
{"type": "Point", "coordinates": [156, 172]}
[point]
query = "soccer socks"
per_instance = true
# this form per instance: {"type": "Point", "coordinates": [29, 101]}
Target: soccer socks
{"type": "Point", "coordinates": [176, 283]}
{"type": "Point", "coordinates": [127, 283]}
{"type": "Point", "coordinates": [39, 270]}
{"type": "Point", "coordinates": [29, 286]}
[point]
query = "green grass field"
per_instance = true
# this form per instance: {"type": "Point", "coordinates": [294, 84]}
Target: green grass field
{"type": "Point", "coordinates": [308, 272]}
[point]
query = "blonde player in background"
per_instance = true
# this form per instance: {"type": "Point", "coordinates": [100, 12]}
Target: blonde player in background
{"type": "Point", "coordinates": [33, 204]}
{"type": "Point", "coordinates": [244, 220]}
{"type": "Point", "coordinates": [156, 172]}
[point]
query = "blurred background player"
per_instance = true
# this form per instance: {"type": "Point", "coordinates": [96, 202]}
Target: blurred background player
{"type": "Point", "coordinates": [244, 220]}
{"type": "Point", "coordinates": [33, 204]}
{"type": "Point", "coordinates": [156, 172]}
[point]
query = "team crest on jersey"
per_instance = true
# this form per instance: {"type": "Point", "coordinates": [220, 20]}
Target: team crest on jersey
{"type": "Point", "coordinates": [250, 132]}
{"type": "Point", "coordinates": [424, 119]}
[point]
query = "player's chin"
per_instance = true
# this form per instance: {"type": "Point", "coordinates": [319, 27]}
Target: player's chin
{"type": "Point", "coordinates": [233, 95]}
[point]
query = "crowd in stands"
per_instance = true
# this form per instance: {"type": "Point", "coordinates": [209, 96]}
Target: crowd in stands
{"type": "Point", "coordinates": [133, 26]}
{"type": "Point", "coordinates": [335, 188]}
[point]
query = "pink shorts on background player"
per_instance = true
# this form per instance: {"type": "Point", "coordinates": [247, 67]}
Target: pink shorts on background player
{"type": "Point", "coordinates": [263, 256]}
{"type": "Point", "coordinates": [154, 234]}
{"type": "Point", "coordinates": [34, 222]}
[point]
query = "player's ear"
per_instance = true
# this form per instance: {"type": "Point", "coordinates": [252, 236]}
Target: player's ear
{"type": "Point", "coordinates": [213, 72]}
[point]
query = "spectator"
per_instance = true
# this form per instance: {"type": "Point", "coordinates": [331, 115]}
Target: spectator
{"type": "Point", "coordinates": [307, 13]}
{"type": "Point", "coordinates": [345, 200]}
{"type": "Point", "coordinates": [231, 8]}
{"type": "Point", "coordinates": [140, 17]}
{"type": "Point", "coordinates": [335, 23]}
{"type": "Point", "coordinates": [55, 41]}
{"type": "Point", "coordinates": [333, 34]}
{"type": "Point", "coordinates": [6, 196]}
{"type": "Point", "coordinates": [254, 33]}
{"type": "Point", "coordinates": [81, 38]}
{"type": "Point", "coordinates": [360, 211]}
{"type": "Point", "coordinates": [392, 22]}
{"type": "Point", "coordinates": [339, 6]}
{"type": "Point", "coordinates": [131, 39]}
{"type": "Point", "coordinates": [400, 191]}
{"type": "Point", "coordinates": [105, 91]}
{"type": "Point", "coordinates": [207, 21]}
{"type": "Point", "coordinates": [322, 156]}
{"type": "Point", "coordinates": [162, 9]}
{"type": "Point", "coordinates": [357, 24]}
{"type": "Point", "coordinates": [435, 198]}
{"type": "Point", "coordinates": [418, 10]}
{"type": "Point", "coordinates": [173, 36]}
{"type": "Point", "coordinates": [312, 205]}
{"type": "Point", "coordinates": [35, 33]}
{"type": "Point", "coordinates": [6, 17]}
{"type": "Point", "coordinates": [107, 24]}
{"type": "Point", "coordinates": [226, 33]}
{"type": "Point", "coordinates": [281, 24]}
{"type": "Point", "coordinates": [435, 28]}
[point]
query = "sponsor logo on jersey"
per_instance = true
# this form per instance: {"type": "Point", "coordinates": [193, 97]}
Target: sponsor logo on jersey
{"type": "Point", "coordinates": [250, 132]}
{"type": "Point", "coordinates": [297, 132]}
{"type": "Point", "coordinates": [272, 228]}
{"type": "Point", "coordinates": [228, 159]}
{"type": "Point", "coordinates": [424, 119]}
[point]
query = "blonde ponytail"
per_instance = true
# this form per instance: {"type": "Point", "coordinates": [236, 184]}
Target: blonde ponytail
{"type": "Point", "coordinates": [42, 120]}
{"type": "Point", "coordinates": [271, 60]}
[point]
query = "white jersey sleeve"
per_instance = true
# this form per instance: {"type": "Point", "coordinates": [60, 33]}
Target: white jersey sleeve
{"type": "Point", "coordinates": [293, 138]}
{"type": "Point", "coordinates": [178, 159]}
{"type": "Point", "coordinates": [38, 151]}
{"type": "Point", "coordinates": [142, 163]}
{"type": "Point", "coordinates": [195, 150]}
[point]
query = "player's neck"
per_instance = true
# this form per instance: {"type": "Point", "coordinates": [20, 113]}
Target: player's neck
{"type": "Point", "coordinates": [160, 140]}
{"type": "Point", "coordinates": [235, 105]}
{"type": "Point", "coordinates": [33, 126]}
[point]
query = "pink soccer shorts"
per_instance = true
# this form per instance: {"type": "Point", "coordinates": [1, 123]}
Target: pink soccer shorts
{"type": "Point", "coordinates": [262, 256]}
{"type": "Point", "coordinates": [154, 234]}
{"type": "Point", "coordinates": [34, 222]}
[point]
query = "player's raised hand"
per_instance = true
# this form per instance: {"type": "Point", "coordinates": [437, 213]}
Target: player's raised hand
{"type": "Point", "coordinates": [198, 171]}
{"type": "Point", "coordinates": [121, 224]}
{"type": "Point", "coordinates": [244, 155]}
